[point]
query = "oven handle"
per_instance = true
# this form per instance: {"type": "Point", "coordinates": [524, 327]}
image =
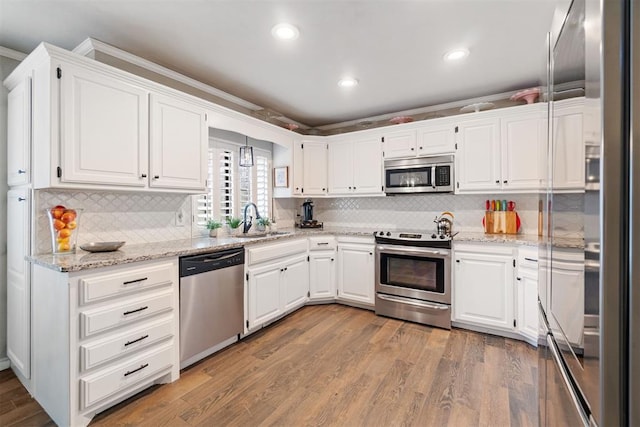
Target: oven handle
{"type": "Point", "coordinates": [433, 176]}
{"type": "Point", "coordinates": [432, 306]}
{"type": "Point", "coordinates": [412, 250]}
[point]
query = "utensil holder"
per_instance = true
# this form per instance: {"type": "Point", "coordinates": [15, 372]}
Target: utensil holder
{"type": "Point", "coordinates": [63, 224]}
{"type": "Point", "coordinates": [500, 222]}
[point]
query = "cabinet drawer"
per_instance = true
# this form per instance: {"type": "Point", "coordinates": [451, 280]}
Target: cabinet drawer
{"type": "Point", "coordinates": [108, 382]}
{"type": "Point", "coordinates": [98, 287]}
{"type": "Point", "coordinates": [275, 251]}
{"type": "Point", "coordinates": [322, 243]}
{"type": "Point", "coordinates": [124, 312]}
{"type": "Point", "coordinates": [528, 257]}
{"type": "Point", "coordinates": [101, 351]}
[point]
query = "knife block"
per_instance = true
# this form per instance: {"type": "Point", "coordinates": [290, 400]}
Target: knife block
{"type": "Point", "coordinates": [500, 222]}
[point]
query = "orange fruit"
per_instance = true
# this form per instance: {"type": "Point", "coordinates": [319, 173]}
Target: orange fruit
{"type": "Point", "coordinates": [58, 225]}
{"type": "Point", "coordinates": [68, 216]}
{"type": "Point", "coordinates": [64, 233]}
{"type": "Point", "coordinates": [72, 225]}
{"type": "Point", "coordinates": [64, 247]}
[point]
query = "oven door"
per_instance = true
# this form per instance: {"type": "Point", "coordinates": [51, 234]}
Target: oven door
{"type": "Point", "coordinates": [412, 272]}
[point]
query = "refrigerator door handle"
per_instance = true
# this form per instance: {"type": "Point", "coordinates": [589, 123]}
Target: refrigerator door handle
{"type": "Point", "coordinates": [565, 377]}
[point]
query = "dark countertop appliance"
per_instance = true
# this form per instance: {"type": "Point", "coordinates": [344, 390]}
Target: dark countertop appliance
{"type": "Point", "coordinates": [306, 218]}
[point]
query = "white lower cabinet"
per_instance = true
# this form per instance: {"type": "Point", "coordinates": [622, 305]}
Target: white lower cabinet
{"type": "Point", "coordinates": [356, 267]}
{"type": "Point", "coordinates": [483, 286]}
{"type": "Point", "coordinates": [527, 293]}
{"type": "Point", "coordinates": [322, 267]}
{"type": "Point", "coordinates": [89, 355]}
{"type": "Point", "coordinates": [275, 284]}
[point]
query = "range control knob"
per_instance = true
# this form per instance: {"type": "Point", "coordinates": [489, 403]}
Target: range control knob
{"type": "Point", "coordinates": [442, 236]}
{"type": "Point", "coordinates": [433, 236]}
{"type": "Point", "coordinates": [381, 233]}
{"type": "Point", "coordinates": [388, 233]}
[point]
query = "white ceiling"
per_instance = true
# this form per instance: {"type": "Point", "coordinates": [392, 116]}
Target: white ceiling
{"type": "Point", "coordinates": [394, 48]}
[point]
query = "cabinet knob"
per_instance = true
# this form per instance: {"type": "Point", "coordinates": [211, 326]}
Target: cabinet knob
{"type": "Point", "coordinates": [21, 199]}
{"type": "Point", "coordinates": [324, 189]}
{"type": "Point", "coordinates": [285, 269]}
{"type": "Point", "coordinates": [331, 259]}
{"type": "Point", "coordinates": [517, 278]}
{"type": "Point", "coordinates": [504, 182]}
{"type": "Point", "coordinates": [156, 176]}
{"type": "Point", "coordinates": [420, 148]}
{"type": "Point", "coordinates": [412, 149]}
{"type": "Point", "coordinates": [370, 253]}
{"type": "Point", "coordinates": [457, 260]}
{"type": "Point", "coordinates": [354, 188]}
{"type": "Point", "coordinates": [144, 175]}
{"type": "Point", "coordinates": [21, 171]}
{"type": "Point", "coordinates": [497, 181]}
{"type": "Point", "coordinates": [349, 188]}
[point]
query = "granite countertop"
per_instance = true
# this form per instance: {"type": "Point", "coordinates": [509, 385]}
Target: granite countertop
{"type": "Point", "coordinates": [83, 260]}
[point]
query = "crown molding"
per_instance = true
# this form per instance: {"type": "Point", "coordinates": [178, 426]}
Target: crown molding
{"type": "Point", "coordinates": [13, 54]}
{"type": "Point", "coordinates": [90, 45]}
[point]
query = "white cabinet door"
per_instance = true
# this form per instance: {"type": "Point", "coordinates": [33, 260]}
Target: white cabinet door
{"type": "Point", "coordinates": [322, 274]}
{"type": "Point", "coordinates": [527, 303]}
{"type": "Point", "coordinates": [522, 151]}
{"type": "Point", "coordinates": [18, 281]}
{"type": "Point", "coordinates": [367, 166]}
{"type": "Point", "coordinates": [104, 129]}
{"type": "Point", "coordinates": [295, 285]}
{"type": "Point", "coordinates": [568, 148]}
{"type": "Point", "coordinates": [483, 289]}
{"type": "Point", "coordinates": [436, 139]}
{"type": "Point", "coordinates": [19, 134]}
{"type": "Point", "coordinates": [315, 168]}
{"type": "Point", "coordinates": [399, 144]}
{"type": "Point", "coordinates": [178, 147]}
{"type": "Point", "coordinates": [356, 273]}
{"type": "Point", "coordinates": [298, 168]}
{"type": "Point", "coordinates": [264, 294]}
{"type": "Point", "coordinates": [478, 155]}
{"type": "Point", "coordinates": [341, 164]}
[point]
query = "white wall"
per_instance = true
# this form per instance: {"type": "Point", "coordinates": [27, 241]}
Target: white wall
{"type": "Point", "coordinates": [6, 66]}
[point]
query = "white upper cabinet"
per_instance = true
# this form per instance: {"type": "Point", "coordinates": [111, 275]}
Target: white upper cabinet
{"type": "Point", "coordinates": [315, 168]}
{"type": "Point", "coordinates": [568, 145]}
{"type": "Point", "coordinates": [104, 129]}
{"type": "Point", "coordinates": [19, 134]}
{"type": "Point", "coordinates": [178, 147]}
{"type": "Point", "coordinates": [355, 166]}
{"type": "Point", "coordinates": [478, 156]}
{"type": "Point", "coordinates": [503, 152]}
{"type": "Point", "coordinates": [522, 151]}
{"type": "Point", "coordinates": [298, 168]}
{"type": "Point", "coordinates": [399, 144]}
{"type": "Point", "coordinates": [437, 138]}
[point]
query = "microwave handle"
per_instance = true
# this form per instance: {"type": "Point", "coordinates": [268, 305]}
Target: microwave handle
{"type": "Point", "coordinates": [433, 176]}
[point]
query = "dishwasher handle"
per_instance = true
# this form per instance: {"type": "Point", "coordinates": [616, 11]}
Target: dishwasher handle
{"type": "Point", "coordinates": [209, 262]}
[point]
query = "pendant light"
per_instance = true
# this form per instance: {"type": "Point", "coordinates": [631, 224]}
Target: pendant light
{"type": "Point", "coordinates": [246, 154]}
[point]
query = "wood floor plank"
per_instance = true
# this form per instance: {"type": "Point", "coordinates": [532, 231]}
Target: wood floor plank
{"type": "Point", "coordinates": [337, 366]}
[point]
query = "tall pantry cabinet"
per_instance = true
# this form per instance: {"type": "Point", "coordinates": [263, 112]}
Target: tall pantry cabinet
{"type": "Point", "coordinates": [19, 221]}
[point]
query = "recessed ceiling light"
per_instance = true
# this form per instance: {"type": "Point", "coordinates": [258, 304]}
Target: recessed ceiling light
{"type": "Point", "coordinates": [348, 82]}
{"type": "Point", "coordinates": [285, 32]}
{"type": "Point", "coordinates": [456, 54]}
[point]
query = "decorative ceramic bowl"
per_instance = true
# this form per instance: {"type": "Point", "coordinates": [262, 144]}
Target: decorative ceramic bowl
{"type": "Point", "coordinates": [478, 106]}
{"type": "Point", "coordinates": [401, 119]}
{"type": "Point", "coordinates": [529, 95]}
{"type": "Point", "coordinates": [101, 246]}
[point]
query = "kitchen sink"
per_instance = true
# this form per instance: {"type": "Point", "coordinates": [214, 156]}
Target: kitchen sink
{"type": "Point", "coordinates": [263, 234]}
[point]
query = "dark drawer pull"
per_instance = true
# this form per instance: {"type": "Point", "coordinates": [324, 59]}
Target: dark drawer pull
{"type": "Point", "coordinates": [322, 243]}
{"type": "Point", "coordinates": [136, 310]}
{"type": "Point", "coordinates": [126, 374]}
{"type": "Point", "coordinates": [135, 341]}
{"type": "Point", "coordinates": [531, 259]}
{"type": "Point", "coordinates": [135, 281]}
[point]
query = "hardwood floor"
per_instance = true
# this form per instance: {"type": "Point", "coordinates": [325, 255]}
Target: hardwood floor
{"type": "Point", "coordinates": [332, 365]}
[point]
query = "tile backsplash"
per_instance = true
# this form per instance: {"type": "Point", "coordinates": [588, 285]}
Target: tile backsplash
{"type": "Point", "coordinates": [418, 211]}
{"type": "Point", "coordinates": [152, 217]}
{"type": "Point", "coordinates": [109, 216]}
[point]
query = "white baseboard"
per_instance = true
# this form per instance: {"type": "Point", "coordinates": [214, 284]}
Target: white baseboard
{"type": "Point", "coordinates": [5, 363]}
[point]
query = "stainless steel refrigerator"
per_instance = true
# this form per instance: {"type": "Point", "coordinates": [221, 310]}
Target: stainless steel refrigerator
{"type": "Point", "coordinates": [589, 291]}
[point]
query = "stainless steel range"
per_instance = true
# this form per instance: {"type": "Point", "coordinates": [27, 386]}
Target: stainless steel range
{"type": "Point", "coordinates": [413, 277]}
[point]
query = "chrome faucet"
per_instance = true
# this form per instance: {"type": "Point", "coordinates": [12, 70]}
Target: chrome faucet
{"type": "Point", "coordinates": [246, 225]}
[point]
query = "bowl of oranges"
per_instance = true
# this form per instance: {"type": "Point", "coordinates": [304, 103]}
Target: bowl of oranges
{"type": "Point", "coordinates": [64, 228]}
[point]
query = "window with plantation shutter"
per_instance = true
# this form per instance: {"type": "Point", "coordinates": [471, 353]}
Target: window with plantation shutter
{"type": "Point", "coordinates": [230, 187]}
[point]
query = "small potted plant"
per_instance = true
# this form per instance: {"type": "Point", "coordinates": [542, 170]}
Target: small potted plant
{"type": "Point", "coordinates": [234, 225]}
{"type": "Point", "coordinates": [263, 223]}
{"type": "Point", "coordinates": [213, 225]}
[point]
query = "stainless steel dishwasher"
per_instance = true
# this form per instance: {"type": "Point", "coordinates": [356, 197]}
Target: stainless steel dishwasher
{"type": "Point", "coordinates": [211, 303]}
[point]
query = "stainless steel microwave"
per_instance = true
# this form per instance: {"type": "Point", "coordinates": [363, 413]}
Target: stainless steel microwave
{"type": "Point", "coordinates": [419, 175]}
